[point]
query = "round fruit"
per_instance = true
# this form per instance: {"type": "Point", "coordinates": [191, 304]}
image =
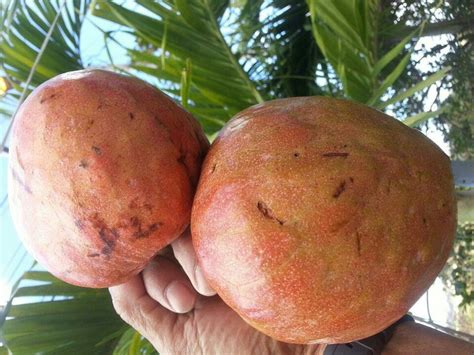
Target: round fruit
{"type": "Point", "coordinates": [321, 220]}
{"type": "Point", "coordinates": [103, 169]}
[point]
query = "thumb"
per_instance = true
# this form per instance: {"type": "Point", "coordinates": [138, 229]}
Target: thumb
{"type": "Point", "coordinates": [133, 304]}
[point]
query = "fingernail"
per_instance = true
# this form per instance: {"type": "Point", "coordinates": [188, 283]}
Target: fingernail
{"type": "Point", "coordinates": [201, 283]}
{"type": "Point", "coordinates": [180, 298]}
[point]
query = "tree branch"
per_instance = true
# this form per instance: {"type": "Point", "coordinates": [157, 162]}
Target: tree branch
{"type": "Point", "coordinates": [434, 29]}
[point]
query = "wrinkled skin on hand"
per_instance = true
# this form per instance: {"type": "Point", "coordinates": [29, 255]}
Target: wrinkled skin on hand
{"type": "Point", "coordinates": [203, 325]}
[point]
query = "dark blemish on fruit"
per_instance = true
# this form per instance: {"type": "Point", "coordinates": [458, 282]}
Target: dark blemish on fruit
{"type": "Point", "coordinates": [17, 178]}
{"type": "Point", "coordinates": [106, 250]}
{"type": "Point", "coordinates": [83, 164]}
{"type": "Point", "coordinates": [145, 233]}
{"type": "Point", "coordinates": [424, 221]}
{"type": "Point", "coordinates": [344, 146]}
{"type": "Point", "coordinates": [96, 150]}
{"type": "Point", "coordinates": [148, 207]}
{"type": "Point", "coordinates": [79, 224]}
{"type": "Point", "coordinates": [134, 222]}
{"type": "Point", "coordinates": [131, 115]}
{"type": "Point", "coordinates": [296, 155]}
{"type": "Point", "coordinates": [161, 124]}
{"type": "Point", "coordinates": [358, 243]}
{"type": "Point", "coordinates": [93, 255]}
{"type": "Point", "coordinates": [140, 232]}
{"type": "Point", "coordinates": [335, 154]}
{"type": "Point", "coordinates": [181, 159]}
{"type": "Point", "coordinates": [267, 212]}
{"type": "Point", "coordinates": [182, 156]}
{"type": "Point", "coordinates": [107, 235]}
{"type": "Point", "coordinates": [351, 179]}
{"type": "Point", "coordinates": [213, 168]}
{"type": "Point", "coordinates": [52, 96]}
{"type": "Point", "coordinates": [444, 204]}
{"type": "Point", "coordinates": [89, 124]}
{"type": "Point", "coordinates": [339, 190]}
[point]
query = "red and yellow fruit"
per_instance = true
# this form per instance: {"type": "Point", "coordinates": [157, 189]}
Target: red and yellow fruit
{"type": "Point", "coordinates": [321, 220]}
{"type": "Point", "coordinates": [102, 175]}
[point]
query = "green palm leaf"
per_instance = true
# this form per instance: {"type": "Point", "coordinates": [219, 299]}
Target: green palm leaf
{"type": "Point", "coordinates": [179, 31]}
{"type": "Point", "coordinates": [21, 41]}
{"type": "Point", "coordinates": [346, 33]}
{"type": "Point", "coordinates": [131, 343]}
{"type": "Point", "coordinates": [60, 318]}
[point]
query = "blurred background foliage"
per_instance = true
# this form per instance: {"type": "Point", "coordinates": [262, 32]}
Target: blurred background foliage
{"type": "Point", "coordinates": [412, 59]}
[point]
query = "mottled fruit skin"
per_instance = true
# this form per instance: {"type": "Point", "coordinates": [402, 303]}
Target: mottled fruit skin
{"type": "Point", "coordinates": [321, 220]}
{"type": "Point", "coordinates": [102, 174]}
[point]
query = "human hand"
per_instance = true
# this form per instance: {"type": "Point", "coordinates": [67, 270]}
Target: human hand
{"type": "Point", "coordinates": [177, 311]}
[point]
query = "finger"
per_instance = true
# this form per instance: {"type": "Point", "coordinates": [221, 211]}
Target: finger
{"type": "Point", "coordinates": [184, 252]}
{"type": "Point", "coordinates": [166, 283]}
{"type": "Point", "coordinates": [137, 308]}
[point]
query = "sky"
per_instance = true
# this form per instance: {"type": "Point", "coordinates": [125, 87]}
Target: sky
{"type": "Point", "coordinates": [14, 259]}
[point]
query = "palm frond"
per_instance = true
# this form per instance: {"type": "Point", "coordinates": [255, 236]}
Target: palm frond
{"type": "Point", "coordinates": [131, 342]}
{"type": "Point", "coordinates": [52, 317]}
{"type": "Point", "coordinates": [21, 41]}
{"type": "Point", "coordinates": [180, 31]}
{"type": "Point", "coordinates": [346, 31]}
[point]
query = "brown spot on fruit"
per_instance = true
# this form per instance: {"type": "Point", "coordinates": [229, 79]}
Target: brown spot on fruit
{"type": "Point", "coordinates": [340, 189]}
{"type": "Point", "coordinates": [140, 231]}
{"type": "Point", "coordinates": [131, 116]}
{"type": "Point", "coordinates": [79, 224]}
{"type": "Point", "coordinates": [162, 125]}
{"type": "Point", "coordinates": [109, 236]}
{"type": "Point", "coordinates": [335, 155]}
{"type": "Point", "coordinates": [44, 99]}
{"type": "Point", "coordinates": [106, 250]}
{"type": "Point", "coordinates": [93, 255]}
{"type": "Point", "coordinates": [296, 154]}
{"type": "Point", "coordinates": [90, 123]}
{"type": "Point", "coordinates": [96, 150]}
{"type": "Point", "coordinates": [267, 212]}
{"type": "Point", "coordinates": [148, 207]}
{"type": "Point", "coordinates": [181, 159]}
{"type": "Point", "coordinates": [146, 233]}
{"type": "Point", "coordinates": [83, 164]}
{"type": "Point", "coordinates": [213, 168]}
